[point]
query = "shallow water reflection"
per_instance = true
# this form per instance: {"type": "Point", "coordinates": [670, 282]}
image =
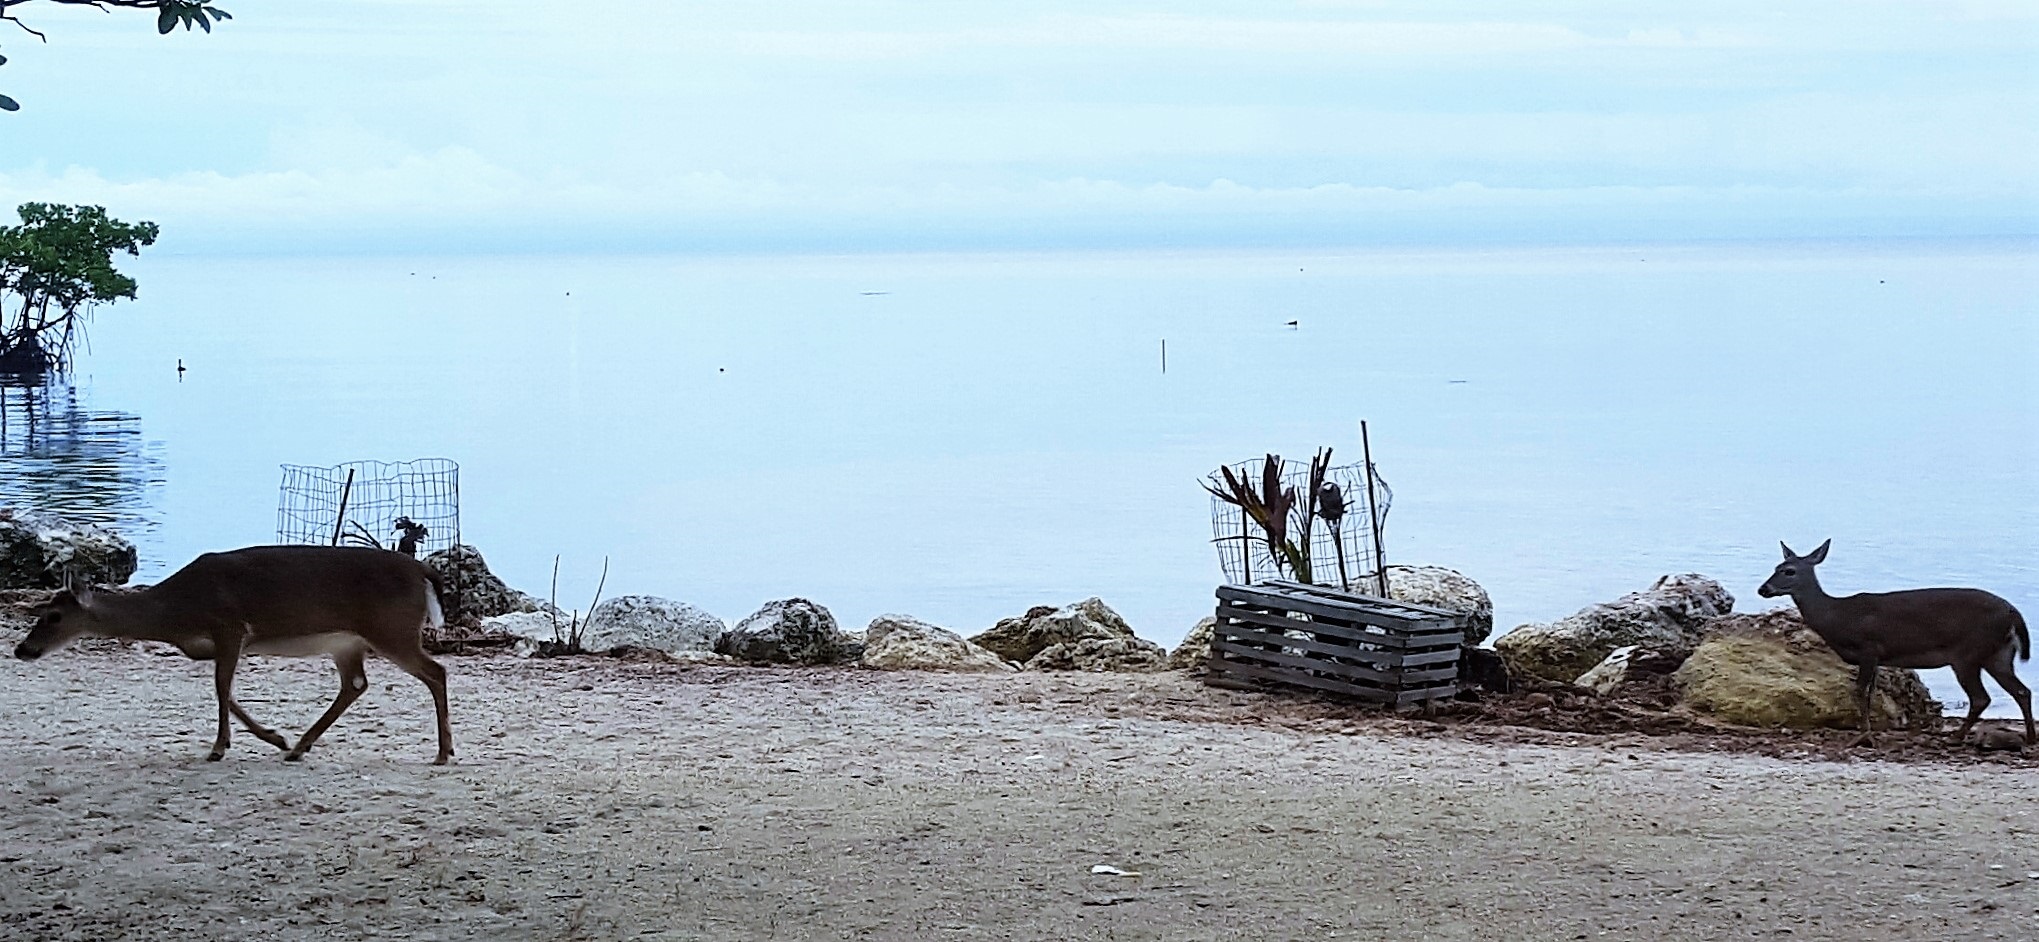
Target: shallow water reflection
{"type": "Point", "coordinates": [95, 465]}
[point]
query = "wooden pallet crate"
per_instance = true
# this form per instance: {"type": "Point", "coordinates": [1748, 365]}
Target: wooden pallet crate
{"type": "Point", "coordinates": [1375, 649]}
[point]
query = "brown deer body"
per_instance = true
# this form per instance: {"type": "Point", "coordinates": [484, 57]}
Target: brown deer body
{"type": "Point", "coordinates": [1969, 630]}
{"type": "Point", "coordinates": [292, 601]}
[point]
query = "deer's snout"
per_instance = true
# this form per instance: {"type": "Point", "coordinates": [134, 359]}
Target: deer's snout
{"type": "Point", "coordinates": [27, 652]}
{"type": "Point", "coordinates": [1765, 591]}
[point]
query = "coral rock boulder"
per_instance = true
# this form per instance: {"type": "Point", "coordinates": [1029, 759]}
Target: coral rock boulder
{"type": "Point", "coordinates": [1671, 613]}
{"type": "Point", "coordinates": [36, 549]}
{"type": "Point", "coordinates": [645, 621]}
{"type": "Point", "coordinates": [1770, 670]}
{"type": "Point", "coordinates": [1448, 589]}
{"type": "Point", "coordinates": [790, 631]}
{"type": "Point", "coordinates": [1195, 650]}
{"type": "Point", "coordinates": [899, 642]}
{"type": "Point", "coordinates": [469, 591]}
{"type": "Point", "coordinates": [1132, 655]}
{"type": "Point", "coordinates": [1019, 638]}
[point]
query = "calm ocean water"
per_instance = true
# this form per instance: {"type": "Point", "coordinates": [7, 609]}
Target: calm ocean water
{"type": "Point", "coordinates": [962, 437]}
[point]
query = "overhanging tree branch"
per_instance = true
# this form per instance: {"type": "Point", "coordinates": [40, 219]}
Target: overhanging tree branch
{"type": "Point", "coordinates": [200, 14]}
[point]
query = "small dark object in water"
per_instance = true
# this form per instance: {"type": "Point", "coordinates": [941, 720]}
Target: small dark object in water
{"type": "Point", "coordinates": [1292, 324]}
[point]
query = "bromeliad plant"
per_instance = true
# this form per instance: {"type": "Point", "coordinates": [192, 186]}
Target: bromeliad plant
{"type": "Point", "coordinates": [1280, 512]}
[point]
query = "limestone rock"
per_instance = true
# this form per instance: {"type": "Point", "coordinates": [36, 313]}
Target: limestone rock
{"type": "Point", "coordinates": [790, 631]}
{"type": "Point", "coordinates": [467, 589]}
{"type": "Point", "coordinates": [645, 621]}
{"type": "Point", "coordinates": [900, 642]}
{"type": "Point", "coordinates": [1671, 613]}
{"type": "Point", "coordinates": [37, 548]}
{"type": "Point", "coordinates": [1439, 587]}
{"type": "Point", "coordinates": [1020, 638]}
{"type": "Point", "coordinates": [529, 626]}
{"type": "Point", "coordinates": [1631, 663]}
{"type": "Point", "coordinates": [1771, 670]}
{"type": "Point", "coordinates": [1128, 654]}
{"type": "Point", "coordinates": [1195, 648]}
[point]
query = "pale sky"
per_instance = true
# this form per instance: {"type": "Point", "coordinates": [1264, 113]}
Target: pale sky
{"type": "Point", "coordinates": [469, 125]}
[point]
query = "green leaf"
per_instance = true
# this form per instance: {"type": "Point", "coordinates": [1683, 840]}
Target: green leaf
{"type": "Point", "coordinates": [9, 104]}
{"type": "Point", "coordinates": [219, 14]}
{"type": "Point", "coordinates": [166, 20]}
{"type": "Point", "coordinates": [203, 23]}
{"type": "Point", "coordinates": [3, 60]}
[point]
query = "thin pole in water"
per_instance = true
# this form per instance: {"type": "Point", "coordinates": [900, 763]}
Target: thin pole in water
{"type": "Point", "coordinates": [1373, 514]}
{"type": "Point", "coordinates": [1164, 354]}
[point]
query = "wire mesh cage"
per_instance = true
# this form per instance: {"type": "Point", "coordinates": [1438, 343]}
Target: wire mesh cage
{"type": "Point", "coordinates": [362, 502]}
{"type": "Point", "coordinates": [1341, 551]}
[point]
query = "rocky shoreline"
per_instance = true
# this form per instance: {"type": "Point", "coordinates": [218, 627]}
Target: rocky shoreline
{"type": "Point", "coordinates": [1671, 660]}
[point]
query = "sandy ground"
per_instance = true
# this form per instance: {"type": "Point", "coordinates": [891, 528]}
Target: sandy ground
{"type": "Point", "coordinates": [597, 799]}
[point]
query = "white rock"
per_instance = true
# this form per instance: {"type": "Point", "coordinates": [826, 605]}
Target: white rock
{"type": "Point", "coordinates": [646, 621]}
{"type": "Point", "coordinates": [901, 642]}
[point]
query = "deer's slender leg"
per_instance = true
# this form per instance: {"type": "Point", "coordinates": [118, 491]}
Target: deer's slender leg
{"type": "Point", "coordinates": [415, 662]}
{"type": "Point", "coordinates": [261, 732]}
{"type": "Point", "coordinates": [1978, 696]}
{"type": "Point", "coordinates": [2007, 677]}
{"type": "Point", "coordinates": [1865, 690]}
{"type": "Point", "coordinates": [353, 681]}
{"type": "Point", "coordinates": [226, 653]}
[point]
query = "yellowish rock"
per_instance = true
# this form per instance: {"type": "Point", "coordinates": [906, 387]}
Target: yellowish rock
{"type": "Point", "coordinates": [1770, 670]}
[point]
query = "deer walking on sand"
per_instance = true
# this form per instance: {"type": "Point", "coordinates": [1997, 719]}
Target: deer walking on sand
{"type": "Point", "coordinates": [1969, 630]}
{"type": "Point", "coordinates": [291, 601]}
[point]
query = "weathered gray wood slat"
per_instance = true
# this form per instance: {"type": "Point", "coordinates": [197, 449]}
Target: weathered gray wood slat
{"type": "Point", "coordinates": [1225, 645]}
{"type": "Point", "coordinates": [1337, 611]}
{"type": "Point", "coordinates": [1387, 678]}
{"type": "Point", "coordinates": [1274, 621]}
{"type": "Point", "coordinates": [1380, 650]}
{"type": "Point", "coordinates": [1231, 673]}
{"type": "Point", "coordinates": [1364, 635]}
{"type": "Point", "coordinates": [1383, 657]}
{"type": "Point", "coordinates": [1422, 658]}
{"type": "Point", "coordinates": [1251, 671]}
{"type": "Point", "coordinates": [1249, 636]}
{"type": "Point", "coordinates": [1359, 598]}
{"type": "Point", "coordinates": [1390, 663]}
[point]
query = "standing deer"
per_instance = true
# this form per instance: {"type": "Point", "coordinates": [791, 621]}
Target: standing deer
{"type": "Point", "coordinates": [1968, 630]}
{"type": "Point", "coordinates": [292, 601]}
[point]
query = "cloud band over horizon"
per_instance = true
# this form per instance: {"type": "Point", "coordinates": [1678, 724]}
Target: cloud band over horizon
{"type": "Point", "coordinates": [450, 125]}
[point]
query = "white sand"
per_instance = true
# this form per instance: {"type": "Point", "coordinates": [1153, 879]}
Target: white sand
{"type": "Point", "coordinates": [605, 800]}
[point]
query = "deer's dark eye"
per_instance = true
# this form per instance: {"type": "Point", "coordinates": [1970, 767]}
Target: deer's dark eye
{"type": "Point", "coordinates": [1791, 572]}
{"type": "Point", "coordinates": [53, 617]}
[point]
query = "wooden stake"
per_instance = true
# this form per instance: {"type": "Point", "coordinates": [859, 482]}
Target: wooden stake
{"type": "Point", "coordinates": [1373, 515]}
{"type": "Point", "coordinates": [346, 491]}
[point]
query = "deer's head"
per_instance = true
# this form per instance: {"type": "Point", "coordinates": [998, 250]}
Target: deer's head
{"type": "Point", "coordinates": [67, 617]}
{"type": "Point", "coordinates": [1794, 573]}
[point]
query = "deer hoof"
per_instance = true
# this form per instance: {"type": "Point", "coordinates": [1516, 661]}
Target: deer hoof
{"type": "Point", "coordinates": [293, 756]}
{"type": "Point", "coordinates": [442, 760]}
{"type": "Point", "coordinates": [215, 755]}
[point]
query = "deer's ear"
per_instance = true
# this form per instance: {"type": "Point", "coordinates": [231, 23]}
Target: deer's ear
{"type": "Point", "coordinates": [1788, 554]}
{"type": "Point", "coordinates": [1819, 555]}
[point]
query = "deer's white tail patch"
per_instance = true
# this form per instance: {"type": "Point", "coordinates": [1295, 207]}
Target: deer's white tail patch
{"type": "Point", "coordinates": [435, 617]}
